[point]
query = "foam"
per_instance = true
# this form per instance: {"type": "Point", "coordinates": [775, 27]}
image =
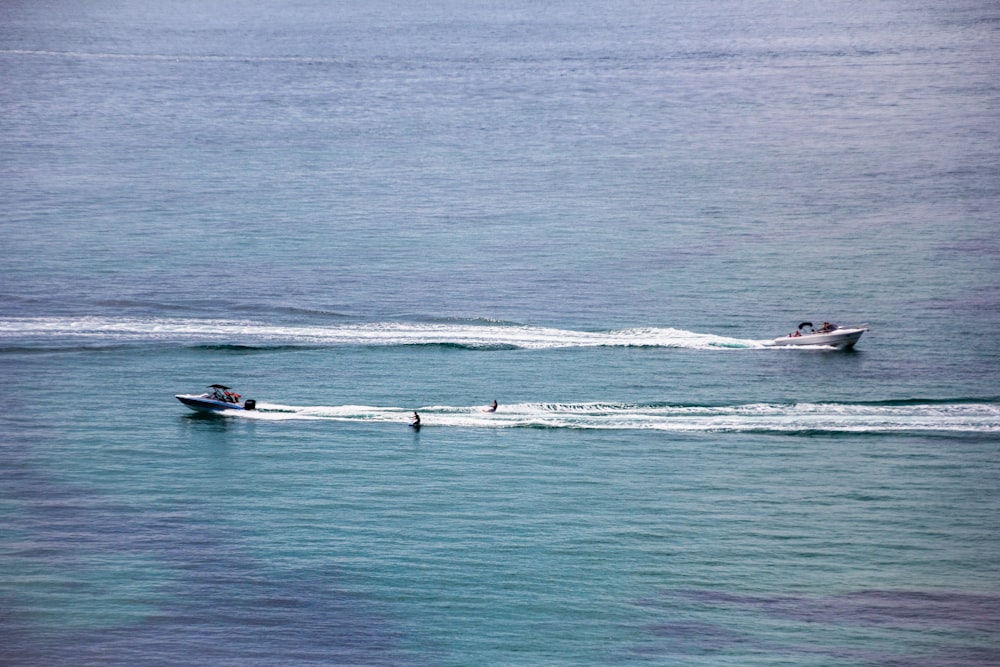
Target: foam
{"type": "Point", "coordinates": [753, 417]}
{"type": "Point", "coordinates": [197, 331]}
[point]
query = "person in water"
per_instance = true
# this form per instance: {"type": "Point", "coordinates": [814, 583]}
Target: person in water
{"type": "Point", "coordinates": [492, 408]}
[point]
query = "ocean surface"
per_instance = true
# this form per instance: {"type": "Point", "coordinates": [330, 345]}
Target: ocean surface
{"type": "Point", "coordinates": [598, 214]}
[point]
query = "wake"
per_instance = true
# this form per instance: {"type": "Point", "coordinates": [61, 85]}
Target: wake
{"type": "Point", "coordinates": [168, 57]}
{"type": "Point", "coordinates": [60, 332]}
{"type": "Point", "coordinates": [793, 418]}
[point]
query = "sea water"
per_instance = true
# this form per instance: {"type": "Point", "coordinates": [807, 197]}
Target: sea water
{"type": "Point", "coordinates": [597, 214]}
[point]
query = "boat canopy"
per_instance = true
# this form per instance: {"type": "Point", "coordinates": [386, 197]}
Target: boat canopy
{"type": "Point", "coordinates": [805, 324]}
{"type": "Point", "coordinates": [218, 386]}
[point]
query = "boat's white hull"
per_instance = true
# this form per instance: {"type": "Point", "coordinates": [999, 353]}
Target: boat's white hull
{"type": "Point", "coordinates": [841, 339]}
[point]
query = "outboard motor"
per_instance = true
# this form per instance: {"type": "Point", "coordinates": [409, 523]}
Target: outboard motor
{"type": "Point", "coordinates": [250, 404]}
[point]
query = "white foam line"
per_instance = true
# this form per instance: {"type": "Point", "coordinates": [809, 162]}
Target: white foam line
{"type": "Point", "coordinates": [959, 417]}
{"type": "Point", "coordinates": [383, 333]}
{"type": "Point", "coordinates": [180, 57]}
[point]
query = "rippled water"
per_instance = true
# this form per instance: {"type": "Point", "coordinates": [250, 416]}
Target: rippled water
{"type": "Point", "coordinates": [598, 215]}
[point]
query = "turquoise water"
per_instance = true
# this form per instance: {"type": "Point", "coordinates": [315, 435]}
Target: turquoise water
{"type": "Point", "coordinates": [598, 215]}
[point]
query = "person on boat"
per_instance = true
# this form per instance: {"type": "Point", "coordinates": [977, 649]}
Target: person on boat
{"type": "Point", "coordinates": [827, 327]}
{"type": "Point", "coordinates": [416, 420]}
{"type": "Point", "coordinates": [492, 408]}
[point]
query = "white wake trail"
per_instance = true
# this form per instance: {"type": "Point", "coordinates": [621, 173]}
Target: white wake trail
{"type": "Point", "coordinates": [754, 417]}
{"type": "Point", "coordinates": [94, 330]}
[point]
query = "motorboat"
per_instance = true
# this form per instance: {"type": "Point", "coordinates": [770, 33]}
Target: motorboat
{"type": "Point", "coordinates": [828, 335]}
{"type": "Point", "coordinates": [217, 398]}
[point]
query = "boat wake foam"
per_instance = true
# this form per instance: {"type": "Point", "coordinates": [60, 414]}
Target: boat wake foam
{"type": "Point", "coordinates": [796, 418]}
{"type": "Point", "coordinates": [60, 333]}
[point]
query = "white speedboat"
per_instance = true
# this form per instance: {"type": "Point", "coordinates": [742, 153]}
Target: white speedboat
{"type": "Point", "coordinates": [218, 398]}
{"type": "Point", "coordinates": [828, 335]}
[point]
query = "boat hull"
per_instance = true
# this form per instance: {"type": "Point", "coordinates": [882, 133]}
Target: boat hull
{"type": "Point", "coordinates": [204, 404]}
{"type": "Point", "coordinates": [841, 339]}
